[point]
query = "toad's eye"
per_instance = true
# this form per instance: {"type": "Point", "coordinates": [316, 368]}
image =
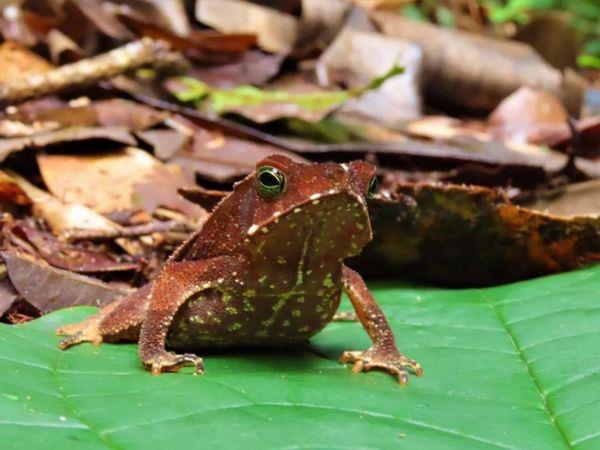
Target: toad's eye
{"type": "Point", "coordinates": [372, 189]}
{"type": "Point", "coordinates": [270, 182]}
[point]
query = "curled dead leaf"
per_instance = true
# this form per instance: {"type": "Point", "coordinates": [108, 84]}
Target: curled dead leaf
{"type": "Point", "coordinates": [49, 289]}
{"type": "Point", "coordinates": [466, 235]}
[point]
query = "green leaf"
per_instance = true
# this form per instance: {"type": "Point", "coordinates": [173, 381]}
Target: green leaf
{"type": "Point", "coordinates": [512, 367]}
{"type": "Point", "coordinates": [589, 61]}
{"type": "Point", "coordinates": [225, 100]}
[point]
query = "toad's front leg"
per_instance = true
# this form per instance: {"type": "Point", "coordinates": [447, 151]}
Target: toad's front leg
{"type": "Point", "coordinates": [384, 354]}
{"type": "Point", "coordinates": [177, 282]}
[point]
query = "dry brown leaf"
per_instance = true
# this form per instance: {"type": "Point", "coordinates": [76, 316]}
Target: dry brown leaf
{"type": "Point", "coordinates": [356, 57]}
{"type": "Point", "coordinates": [72, 257]}
{"type": "Point", "coordinates": [455, 132]}
{"type": "Point", "coordinates": [255, 68]}
{"type": "Point", "coordinates": [224, 159]}
{"type": "Point", "coordinates": [16, 61]}
{"type": "Point", "coordinates": [276, 32]}
{"type": "Point", "coordinates": [134, 116]}
{"type": "Point", "coordinates": [61, 217]}
{"type": "Point", "coordinates": [165, 143]}
{"type": "Point", "coordinates": [103, 19]}
{"type": "Point", "coordinates": [320, 22]}
{"type": "Point", "coordinates": [8, 295]}
{"type": "Point", "coordinates": [473, 71]}
{"type": "Point", "coordinates": [49, 289]}
{"type": "Point", "coordinates": [10, 191]}
{"type": "Point", "coordinates": [381, 4]}
{"type": "Point", "coordinates": [120, 180]}
{"type": "Point", "coordinates": [573, 199]}
{"type": "Point", "coordinates": [529, 116]}
{"type": "Point", "coordinates": [115, 134]}
{"type": "Point", "coordinates": [62, 48]}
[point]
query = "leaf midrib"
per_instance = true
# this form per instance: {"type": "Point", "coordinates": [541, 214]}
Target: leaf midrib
{"type": "Point", "coordinates": [73, 410]}
{"type": "Point", "coordinates": [547, 408]}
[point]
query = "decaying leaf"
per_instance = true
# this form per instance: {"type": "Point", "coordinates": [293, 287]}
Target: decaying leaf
{"type": "Point", "coordinates": [165, 143]}
{"type": "Point", "coordinates": [206, 46]}
{"type": "Point", "coordinates": [62, 48]}
{"type": "Point", "coordinates": [72, 134]}
{"type": "Point", "coordinates": [573, 199]}
{"type": "Point", "coordinates": [477, 72]}
{"type": "Point", "coordinates": [120, 180]}
{"type": "Point", "coordinates": [169, 15]}
{"type": "Point", "coordinates": [460, 235]}
{"type": "Point", "coordinates": [10, 191]}
{"type": "Point", "coordinates": [206, 198]}
{"type": "Point", "coordinates": [320, 22]}
{"type": "Point", "coordinates": [8, 295]}
{"type": "Point", "coordinates": [223, 159]}
{"type": "Point", "coordinates": [102, 19]}
{"type": "Point", "coordinates": [61, 217]}
{"type": "Point", "coordinates": [17, 61]}
{"type": "Point", "coordinates": [37, 116]}
{"type": "Point", "coordinates": [276, 32]}
{"type": "Point", "coordinates": [355, 57]}
{"type": "Point", "coordinates": [529, 116]}
{"type": "Point", "coordinates": [254, 67]}
{"type": "Point", "coordinates": [475, 138]}
{"type": "Point", "coordinates": [75, 258]}
{"type": "Point", "coordinates": [49, 289]}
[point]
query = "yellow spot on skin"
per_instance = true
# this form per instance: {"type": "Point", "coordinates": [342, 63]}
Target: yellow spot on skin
{"type": "Point", "coordinates": [296, 313]}
{"type": "Point", "coordinates": [262, 279]}
{"type": "Point", "coordinates": [286, 323]}
{"type": "Point", "coordinates": [231, 310]}
{"type": "Point", "coordinates": [235, 326]}
{"type": "Point", "coordinates": [264, 230]}
{"type": "Point", "coordinates": [360, 226]}
{"type": "Point", "coordinates": [249, 293]}
{"type": "Point", "coordinates": [328, 282]}
{"type": "Point", "coordinates": [303, 329]}
{"type": "Point", "coordinates": [281, 260]}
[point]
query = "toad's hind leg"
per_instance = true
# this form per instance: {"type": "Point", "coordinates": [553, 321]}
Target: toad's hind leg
{"type": "Point", "coordinates": [120, 321]}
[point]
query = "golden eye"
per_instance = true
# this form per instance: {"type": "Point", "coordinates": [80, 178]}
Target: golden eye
{"type": "Point", "coordinates": [372, 189]}
{"type": "Point", "coordinates": [270, 182]}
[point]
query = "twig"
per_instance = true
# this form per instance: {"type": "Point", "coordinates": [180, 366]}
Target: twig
{"type": "Point", "coordinates": [88, 71]}
{"type": "Point", "coordinates": [128, 232]}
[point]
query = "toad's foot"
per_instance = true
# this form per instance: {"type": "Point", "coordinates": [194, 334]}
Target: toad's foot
{"type": "Point", "coordinates": [392, 362]}
{"type": "Point", "coordinates": [172, 362]}
{"type": "Point", "coordinates": [77, 333]}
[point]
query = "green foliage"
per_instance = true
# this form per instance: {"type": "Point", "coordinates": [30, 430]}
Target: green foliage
{"type": "Point", "coordinates": [327, 130]}
{"type": "Point", "coordinates": [511, 367]}
{"type": "Point", "coordinates": [223, 100]}
{"type": "Point", "coordinates": [589, 61]}
{"type": "Point", "coordinates": [585, 17]}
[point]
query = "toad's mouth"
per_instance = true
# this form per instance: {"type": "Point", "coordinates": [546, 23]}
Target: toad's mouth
{"type": "Point", "coordinates": [336, 225]}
